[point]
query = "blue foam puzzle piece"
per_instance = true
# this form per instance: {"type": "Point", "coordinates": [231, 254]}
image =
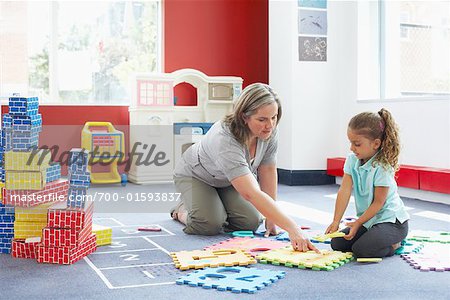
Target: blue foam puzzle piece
{"type": "Point", "coordinates": [234, 279]}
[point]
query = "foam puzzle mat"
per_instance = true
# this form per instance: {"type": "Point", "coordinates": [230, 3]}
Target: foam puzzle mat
{"type": "Point", "coordinates": [252, 245]}
{"type": "Point", "coordinates": [326, 261]}
{"type": "Point", "coordinates": [432, 257]}
{"type": "Point", "coordinates": [234, 279]}
{"type": "Point", "coordinates": [429, 236]}
{"type": "Point", "coordinates": [199, 259]}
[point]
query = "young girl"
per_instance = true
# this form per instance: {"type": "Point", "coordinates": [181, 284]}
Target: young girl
{"type": "Point", "coordinates": [382, 220]}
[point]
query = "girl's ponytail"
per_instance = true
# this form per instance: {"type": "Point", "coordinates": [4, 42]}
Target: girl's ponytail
{"type": "Point", "coordinates": [390, 141]}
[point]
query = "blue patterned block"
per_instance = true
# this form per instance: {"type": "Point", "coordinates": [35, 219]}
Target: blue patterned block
{"type": "Point", "coordinates": [6, 236]}
{"type": "Point", "coordinates": [4, 218]}
{"type": "Point", "coordinates": [6, 225]}
{"type": "Point", "coordinates": [80, 179]}
{"type": "Point", "coordinates": [6, 230]}
{"type": "Point", "coordinates": [34, 120]}
{"type": "Point", "coordinates": [7, 122]}
{"type": "Point", "coordinates": [23, 106]}
{"type": "Point", "coordinates": [234, 279]}
{"type": "Point", "coordinates": [6, 210]}
{"type": "Point", "coordinates": [77, 197]}
{"type": "Point", "coordinates": [53, 172]}
{"type": "Point", "coordinates": [74, 168]}
{"type": "Point", "coordinates": [7, 140]}
{"type": "Point", "coordinates": [24, 142]}
{"type": "Point", "coordinates": [5, 248]}
{"type": "Point", "coordinates": [2, 174]}
{"type": "Point", "coordinates": [78, 157]}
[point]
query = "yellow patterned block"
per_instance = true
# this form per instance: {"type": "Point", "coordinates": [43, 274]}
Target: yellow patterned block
{"type": "Point", "coordinates": [199, 259]}
{"type": "Point", "coordinates": [103, 233]}
{"type": "Point", "coordinates": [32, 214]}
{"type": "Point", "coordinates": [24, 230]}
{"type": "Point", "coordinates": [17, 180]}
{"type": "Point", "coordinates": [326, 260]}
{"type": "Point", "coordinates": [27, 161]}
{"type": "Point", "coordinates": [2, 185]}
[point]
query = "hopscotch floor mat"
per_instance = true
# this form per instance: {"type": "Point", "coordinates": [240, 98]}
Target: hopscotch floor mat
{"type": "Point", "coordinates": [133, 259]}
{"type": "Point", "coordinates": [326, 261]}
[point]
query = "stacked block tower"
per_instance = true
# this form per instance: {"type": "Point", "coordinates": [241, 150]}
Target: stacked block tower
{"type": "Point", "coordinates": [26, 188]}
{"type": "Point", "coordinates": [31, 185]}
{"type": "Point", "coordinates": [79, 178]}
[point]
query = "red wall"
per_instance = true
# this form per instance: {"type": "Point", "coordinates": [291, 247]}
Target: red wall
{"type": "Point", "coordinates": [218, 37]}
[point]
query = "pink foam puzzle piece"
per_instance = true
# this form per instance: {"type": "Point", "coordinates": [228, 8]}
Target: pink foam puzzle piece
{"type": "Point", "coordinates": [252, 245]}
{"type": "Point", "coordinates": [433, 257]}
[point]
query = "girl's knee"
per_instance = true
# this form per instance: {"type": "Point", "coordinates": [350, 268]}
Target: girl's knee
{"type": "Point", "coordinates": [339, 244]}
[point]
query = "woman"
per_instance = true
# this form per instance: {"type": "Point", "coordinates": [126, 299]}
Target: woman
{"type": "Point", "coordinates": [230, 178]}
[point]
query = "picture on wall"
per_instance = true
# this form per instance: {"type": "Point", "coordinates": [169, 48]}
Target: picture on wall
{"type": "Point", "coordinates": [312, 30]}
{"type": "Point", "coordinates": [312, 3]}
{"type": "Point", "coordinates": [312, 22]}
{"type": "Point", "coordinates": [312, 48]}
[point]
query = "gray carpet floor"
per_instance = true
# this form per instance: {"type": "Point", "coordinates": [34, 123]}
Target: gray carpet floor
{"type": "Point", "coordinates": [137, 265]}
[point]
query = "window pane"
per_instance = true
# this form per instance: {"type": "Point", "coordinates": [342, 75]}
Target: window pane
{"type": "Point", "coordinates": [77, 52]}
{"type": "Point", "coordinates": [417, 48]}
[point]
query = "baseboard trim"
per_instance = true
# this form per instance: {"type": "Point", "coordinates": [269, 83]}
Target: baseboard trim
{"type": "Point", "coordinates": [304, 177]}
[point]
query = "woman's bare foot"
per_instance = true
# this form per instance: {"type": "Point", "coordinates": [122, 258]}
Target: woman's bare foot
{"type": "Point", "coordinates": [180, 214]}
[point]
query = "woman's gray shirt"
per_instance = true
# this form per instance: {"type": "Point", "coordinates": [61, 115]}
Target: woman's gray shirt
{"type": "Point", "coordinates": [219, 158]}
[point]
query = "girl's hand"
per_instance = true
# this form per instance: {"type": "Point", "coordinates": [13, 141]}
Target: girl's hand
{"type": "Point", "coordinates": [333, 227]}
{"type": "Point", "coordinates": [300, 243]}
{"type": "Point", "coordinates": [271, 228]}
{"type": "Point", "coordinates": [354, 226]}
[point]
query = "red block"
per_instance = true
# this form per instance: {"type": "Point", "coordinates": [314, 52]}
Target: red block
{"type": "Point", "coordinates": [20, 249]}
{"type": "Point", "coordinates": [408, 176]}
{"type": "Point", "coordinates": [65, 237]}
{"type": "Point", "coordinates": [335, 166]}
{"type": "Point", "coordinates": [435, 180]}
{"type": "Point", "coordinates": [55, 191]}
{"type": "Point", "coordinates": [60, 216]}
{"type": "Point", "coordinates": [66, 255]}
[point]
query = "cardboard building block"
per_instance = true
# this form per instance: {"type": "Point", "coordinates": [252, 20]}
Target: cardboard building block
{"type": "Point", "coordinates": [65, 237]}
{"type": "Point", "coordinates": [61, 216]}
{"type": "Point", "coordinates": [77, 197]}
{"type": "Point", "coordinates": [55, 191]}
{"type": "Point", "coordinates": [103, 233]}
{"type": "Point", "coordinates": [80, 179]}
{"type": "Point", "coordinates": [23, 106]}
{"type": "Point", "coordinates": [326, 260]}
{"type": "Point", "coordinates": [79, 157]}
{"type": "Point", "coordinates": [25, 180]}
{"type": "Point", "coordinates": [252, 245]}
{"type": "Point", "coordinates": [21, 249]}
{"type": "Point", "coordinates": [199, 259]}
{"type": "Point", "coordinates": [37, 160]}
{"type": "Point", "coordinates": [33, 214]}
{"type": "Point", "coordinates": [232, 279]}
{"type": "Point", "coordinates": [66, 255]}
{"type": "Point", "coordinates": [24, 230]}
{"type": "Point", "coordinates": [53, 172]}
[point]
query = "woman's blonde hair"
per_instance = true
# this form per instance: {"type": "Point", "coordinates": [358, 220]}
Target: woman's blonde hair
{"type": "Point", "coordinates": [252, 98]}
{"type": "Point", "coordinates": [381, 126]}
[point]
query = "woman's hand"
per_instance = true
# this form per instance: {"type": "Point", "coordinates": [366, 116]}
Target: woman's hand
{"type": "Point", "coordinates": [271, 228]}
{"type": "Point", "coordinates": [333, 227]}
{"type": "Point", "coordinates": [354, 226]}
{"type": "Point", "coordinates": [300, 243]}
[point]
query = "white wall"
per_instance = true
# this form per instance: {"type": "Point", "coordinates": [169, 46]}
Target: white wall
{"type": "Point", "coordinates": [320, 97]}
